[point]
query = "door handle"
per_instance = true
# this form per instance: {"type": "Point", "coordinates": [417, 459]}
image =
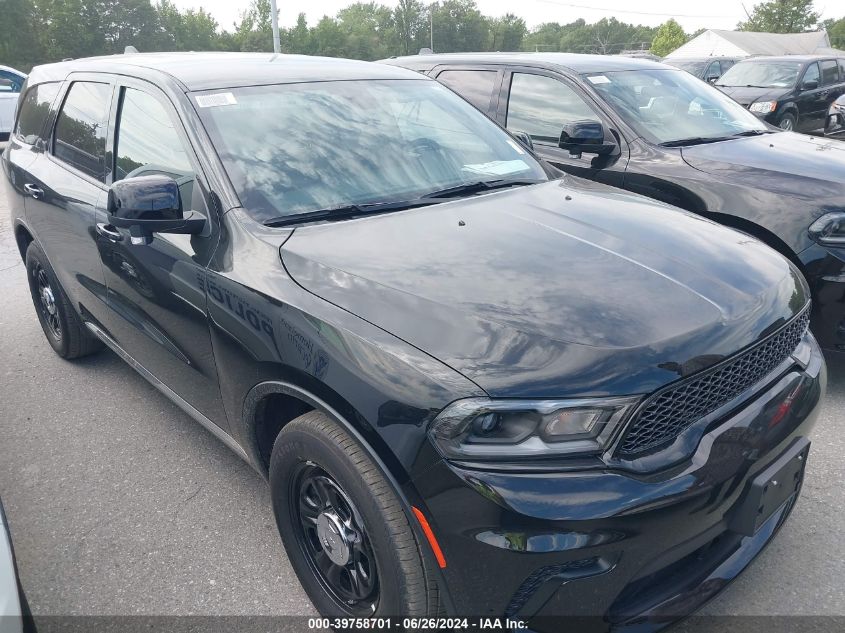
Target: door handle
{"type": "Point", "coordinates": [33, 190]}
{"type": "Point", "coordinates": [109, 232]}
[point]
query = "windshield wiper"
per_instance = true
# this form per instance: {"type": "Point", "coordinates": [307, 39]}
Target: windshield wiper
{"type": "Point", "coordinates": [480, 186]}
{"type": "Point", "coordinates": [695, 140]}
{"type": "Point", "coordinates": [348, 211]}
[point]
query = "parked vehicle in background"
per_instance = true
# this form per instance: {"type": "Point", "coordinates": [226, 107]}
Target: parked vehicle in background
{"type": "Point", "coordinates": [11, 82]}
{"type": "Point", "coordinates": [451, 365]}
{"type": "Point", "coordinates": [793, 92]}
{"type": "Point", "coordinates": [658, 131]}
{"type": "Point", "coordinates": [835, 125]}
{"type": "Point", "coordinates": [12, 608]}
{"type": "Point", "coordinates": [708, 69]}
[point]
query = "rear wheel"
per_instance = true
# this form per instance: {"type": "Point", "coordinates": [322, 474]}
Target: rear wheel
{"type": "Point", "coordinates": [343, 526]}
{"type": "Point", "coordinates": [787, 122]}
{"type": "Point", "coordinates": [62, 326]}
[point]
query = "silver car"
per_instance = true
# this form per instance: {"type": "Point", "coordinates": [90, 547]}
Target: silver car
{"type": "Point", "coordinates": [835, 124]}
{"type": "Point", "coordinates": [11, 611]}
{"type": "Point", "coordinates": [11, 83]}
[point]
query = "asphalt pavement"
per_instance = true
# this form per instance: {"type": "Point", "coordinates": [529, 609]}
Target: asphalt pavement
{"type": "Point", "coordinates": [120, 504]}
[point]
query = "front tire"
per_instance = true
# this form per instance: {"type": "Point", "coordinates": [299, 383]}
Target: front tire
{"type": "Point", "coordinates": [344, 529]}
{"type": "Point", "coordinates": [787, 122]}
{"type": "Point", "coordinates": [62, 326]}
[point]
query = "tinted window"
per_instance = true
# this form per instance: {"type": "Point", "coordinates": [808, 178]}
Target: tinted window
{"type": "Point", "coordinates": [714, 70]}
{"type": "Point", "coordinates": [811, 74]}
{"type": "Point", "coordinates": [541, 106]}
{"type": "Point", "coordinates": [34, 111]}
{"type": "Point", "coordinates": [693, 68]}
{"type": "Point", "coordinates": [842, 69]}
{"type": "Point", "coordinates": [80, 138]}
{"type": "Point", "coordinates": [476, 86]}
{"type": "Point", "coordinates": [762, 74]}
{"type": "Point", "coordinates": [296, 148]}
{"type": "Point", "coordinates": [830, 74]}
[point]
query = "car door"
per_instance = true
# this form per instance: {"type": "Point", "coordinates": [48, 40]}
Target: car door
{"type": "Point", "coordinates": [156, 286]}
{"type": "Point", "coordinates": [833, 85]}
{"type": "Point", "coordinates": [810, 100]}
{"type": "Point", "coordinates": [65, 183]}
{"type": "Point", "coordinates": [540, 103]}
{"type": "Point", "coordinates": [477, 84]}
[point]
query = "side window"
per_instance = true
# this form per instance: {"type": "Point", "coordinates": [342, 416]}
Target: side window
{"type": "Point", "coordinates": [727, 64]}
{"type": "Point", "coordinates": [34, 110]}
{"type": "Point", "coordinates": [541, 106]}
{"type": "Point", "coordinates": [11, 82]}
{"type": "Point", "coordinates": [714, 71]}
{"type": "Point", "coordinates": [80, 137]}
{"type": "Point", "coordinates": [811, 74]}
{"type": "Point", "coordinates": [842, 70]}
{"type": "Point", "coordinates": [830, 74]}
{"type": "Point", "coordinates": [476, 86]}
{"type": "Point", "coordinates": [148, 144]}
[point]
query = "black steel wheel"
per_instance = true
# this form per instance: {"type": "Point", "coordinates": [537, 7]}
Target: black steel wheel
{"type": "Point", "coordinates": [347, 535]}
{"type": "Point", "coordinates": [333, 537]}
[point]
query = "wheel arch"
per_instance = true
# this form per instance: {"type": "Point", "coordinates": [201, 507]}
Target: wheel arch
{"type": "Point", "coordinates": [23, 238]}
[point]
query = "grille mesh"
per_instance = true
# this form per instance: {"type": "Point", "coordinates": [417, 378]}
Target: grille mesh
{"type": "Point", "coordinates": [669, 412]}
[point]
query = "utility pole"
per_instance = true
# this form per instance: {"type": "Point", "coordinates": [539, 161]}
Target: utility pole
{"type": "Point", "coordinates": [274, 20]}
{"type": "Point", "coordinates": [431, 26]}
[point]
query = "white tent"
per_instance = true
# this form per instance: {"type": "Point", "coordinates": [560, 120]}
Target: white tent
{"type": "Point", "coordinates": [720, 43]}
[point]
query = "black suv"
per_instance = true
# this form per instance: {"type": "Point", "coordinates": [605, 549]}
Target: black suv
{"type": "Point", "coordinates": [793, 92]}
{"type": "Point", "coordinates": [449, 366]}
{"type": "Point", "coordinates": [654, 130]}
{"type": "Point", "coordinates": [708, 69]}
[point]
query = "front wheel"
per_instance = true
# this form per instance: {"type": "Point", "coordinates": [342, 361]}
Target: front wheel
{"type": "Point", "coordinates": [787, 122]}
{"type": "Point", "coordinates": [344, 529]}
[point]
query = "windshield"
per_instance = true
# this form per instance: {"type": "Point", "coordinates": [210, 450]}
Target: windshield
{"type": "Point", "coordinates": [299, 148]}
{"type": "Point", "coordinates": [761, 75]}
{"type": "Point", "coordinates": [668, 106]}
{"type": "Point", "coordinates": [693, 68]}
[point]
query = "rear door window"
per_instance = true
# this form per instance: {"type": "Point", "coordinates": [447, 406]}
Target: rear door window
{"type": "Point", "coordinates": [476, 86]}
{"type": "Point", "coordinates": [34, 110]}
{"type": "Point", "coordinates": [10, 82]}
{"type": "Point", "coordinates": [80, 136]}
{"type": "Point", "coordinates": [830, 74]}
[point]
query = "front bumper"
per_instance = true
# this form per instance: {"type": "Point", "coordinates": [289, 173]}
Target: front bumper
{"type": "Point", "coordinates": [835, 125]}
{"type": "Point", "coordinates": [603, 549]}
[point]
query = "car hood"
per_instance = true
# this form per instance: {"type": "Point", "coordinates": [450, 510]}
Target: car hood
{"type": "Point", "coordinates": [559, 289]}
{"type": "Point", "coordinates": [785, 163]}
{"type": "Point", "coordinates": [747, 96]}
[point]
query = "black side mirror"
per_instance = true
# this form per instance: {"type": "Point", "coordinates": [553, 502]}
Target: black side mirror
{"type": "Point", "coordinates": [811, 84]}
{"type": "Point", "coordinates": [585, 137]}
{"type": "Point", "coordinates": [150, 204]}
{"type": "Point", "coordinates": [524, 138]}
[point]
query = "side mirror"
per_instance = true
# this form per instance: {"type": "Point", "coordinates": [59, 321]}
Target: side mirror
{"type": "Point", "coordinates": [585, 137]}
{"type": "Point", "coordinates": [712, 79]}
{"type": "Point", "coordinates": [150, 204]}
{"type": "Point", "coordinates": [524, 138]}
{"type": "Point", "coordinates": [811, 84]}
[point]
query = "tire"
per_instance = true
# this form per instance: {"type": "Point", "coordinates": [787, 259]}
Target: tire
{"type": "Point", "coordinates": [307, 449]}
{"type": "Point", "coordinates": [787, 122]}
{"type": "Point", "coordinates": [60, 322]}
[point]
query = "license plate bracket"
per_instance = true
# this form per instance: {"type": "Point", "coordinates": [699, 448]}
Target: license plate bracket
{"type": "Point", "coordinates": [771, 488]}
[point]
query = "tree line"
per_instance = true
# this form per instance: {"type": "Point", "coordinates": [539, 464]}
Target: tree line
{"type": "Point", "coordinates": [40, 31]}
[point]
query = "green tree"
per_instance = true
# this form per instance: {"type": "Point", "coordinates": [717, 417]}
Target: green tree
{"type": "Point", "coordinates": [670, 35]}
{"type": "Point", "coordinates": [409, 19]}
{"type": "Point", "coordinates": [19, 45]}
{"type": "Point", "coordinates": [781, 16]}
{"type": "Point", "coordinates": [507, 33]}
{"type": "Point", "coordinates": [836, 32]}
{"type": "Point", "coordinates": [459, 26]}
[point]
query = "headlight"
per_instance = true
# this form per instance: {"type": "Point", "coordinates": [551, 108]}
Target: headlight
{"type": "Point", "coordinates": [485, 429]}
{"type": "Point", "coordinates": [764, 107]}
{"type": "Point", "coordinates": [829, 229]}
{"type": "Point", "coordinates": [838, 107]}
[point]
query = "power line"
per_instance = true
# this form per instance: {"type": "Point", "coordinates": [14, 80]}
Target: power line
{"type": "Point", "coordinates": [651, 13]}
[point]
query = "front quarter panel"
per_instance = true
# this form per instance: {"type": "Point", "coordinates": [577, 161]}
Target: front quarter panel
{"type": "Point", "coordinates": [266, 328]}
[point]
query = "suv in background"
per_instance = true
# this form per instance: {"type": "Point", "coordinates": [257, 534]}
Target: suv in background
{"type": "Point", "coordinates": [708, 69]}
{"type": "Point", "coordinates": [793, 92]}
{"type": "Point", "coordinates": [655, 130]}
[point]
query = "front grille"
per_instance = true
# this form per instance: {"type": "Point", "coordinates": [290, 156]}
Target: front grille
{"type": "Point", "coordinates": [667, 413]}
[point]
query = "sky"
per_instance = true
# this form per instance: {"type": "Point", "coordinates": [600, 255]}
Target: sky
{"type": "Point", "coordinates": [714, 14]}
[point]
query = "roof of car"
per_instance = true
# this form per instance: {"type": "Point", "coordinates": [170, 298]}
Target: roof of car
{"type": "Point", "coordinates": [574, 62]}
{"type": "Point", "coordinates": [202, 71]}
{"type": "Point", "coordinates": [789, 58]}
